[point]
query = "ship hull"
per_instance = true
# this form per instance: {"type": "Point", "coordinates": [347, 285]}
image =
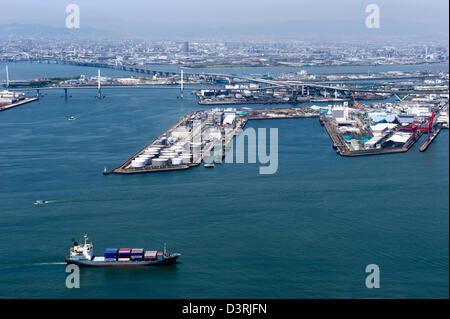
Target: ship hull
{"type": "Point", "coordinates": [91, 263]}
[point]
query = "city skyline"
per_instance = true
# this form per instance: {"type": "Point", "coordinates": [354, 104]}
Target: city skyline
{"type": "Point", "coordinates": [238, 20]}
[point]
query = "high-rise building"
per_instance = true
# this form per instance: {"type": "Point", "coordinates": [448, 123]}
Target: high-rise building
{"type": "Point", "coordinates": [185, 47]}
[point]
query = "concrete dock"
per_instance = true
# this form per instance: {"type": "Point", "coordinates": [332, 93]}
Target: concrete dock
{"type": "Point", "coordinates": [188, 145]}
{"type": "Point", "coordinates": [427, 143]}
{"type": "Point", "coordinates": [126, 168]}
{"type": "Point", "coordinates": [342, 148]}
{"type": "Point", "coordinates": [25, 101]}
{"type": "Point", "coordinates": [207, 145]}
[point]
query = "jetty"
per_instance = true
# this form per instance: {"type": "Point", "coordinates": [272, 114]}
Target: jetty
{"type": "Point", "coordinates": [194, 136]}
{"type": "Point", "coordinates": [427, 143]}
{"type": "Point", "coordinates": [21, 102]}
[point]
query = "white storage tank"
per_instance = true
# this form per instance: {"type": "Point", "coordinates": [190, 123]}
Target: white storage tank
{"type": "Point", "coordinates": [186, 159]}
{"type": "Point", "coordinates": [146, 156]}
{"type": "Point", "coordinates": [142, 157]}
{"type": "Point", "coordinates": [151, 152]}
{"type": "Point", "coordinates": [177, 161]}
{"type": "Point", "coordinates": [170, 154]}
{"type": "Point", "coordinates": [138, 163]}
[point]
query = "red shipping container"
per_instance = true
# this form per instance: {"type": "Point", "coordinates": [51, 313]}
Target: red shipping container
{"type": "Point", "coordinates": [150, 255]}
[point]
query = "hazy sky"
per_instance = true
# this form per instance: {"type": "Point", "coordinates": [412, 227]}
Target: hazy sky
{"type": "Point", "coordinates": [141, 16]}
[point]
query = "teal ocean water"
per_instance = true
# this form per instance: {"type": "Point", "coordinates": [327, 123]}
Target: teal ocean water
{"type": "Point", "coordinates": [307, 231]}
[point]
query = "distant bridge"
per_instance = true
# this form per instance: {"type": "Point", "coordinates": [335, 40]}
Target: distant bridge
{"type": "Point", "coordinates": [231, 77]}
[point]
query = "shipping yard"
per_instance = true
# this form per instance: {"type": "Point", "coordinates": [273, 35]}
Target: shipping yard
{"type": "Point", "coordinates": [354, 131]}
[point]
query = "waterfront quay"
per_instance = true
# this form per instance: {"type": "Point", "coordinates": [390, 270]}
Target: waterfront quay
{"type": "Point", "coordinates": [344, 148]}
{"type": "Point", "coordinates": [356, 135]}
{"type": "Point", "coordinates": [194, 136]}
{"type": "Point", "coordinates": [254, 94]}
{"type": "Point", "coordinates": [21, 102]}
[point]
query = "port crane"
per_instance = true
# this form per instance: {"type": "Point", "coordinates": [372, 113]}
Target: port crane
{"type": "Point", "coordinates": [414, 127]}
{"type": "Point", "coordinates": [355, 103]}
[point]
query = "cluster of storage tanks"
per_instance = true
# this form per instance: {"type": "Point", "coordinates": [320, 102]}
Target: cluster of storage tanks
{"type": "Point", "coordinates": [163, 156]}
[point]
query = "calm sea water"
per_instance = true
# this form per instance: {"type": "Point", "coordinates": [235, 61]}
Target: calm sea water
{"type": "Point", "coordinates": [26, 70]}
{"type": "Point", "coordinates": [307, 231]}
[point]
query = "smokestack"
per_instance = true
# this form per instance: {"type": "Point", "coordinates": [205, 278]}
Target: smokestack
{"type": "Point", "coordinates": [181, 84]}
{"type": "Point", "coordinates": [99, 90]}
{"type": "Point", "coordinates": [7, 77]}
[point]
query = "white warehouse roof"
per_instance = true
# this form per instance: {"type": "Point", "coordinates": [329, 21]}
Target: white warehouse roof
{"type": "Point", "coordinates": [399, 138]}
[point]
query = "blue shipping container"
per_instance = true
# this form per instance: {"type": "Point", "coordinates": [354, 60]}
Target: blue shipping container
{"type": "Point", "coordinates": [137, 259]}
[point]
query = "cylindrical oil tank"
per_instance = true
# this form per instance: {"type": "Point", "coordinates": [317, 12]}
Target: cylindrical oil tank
{"type": "Point", "coordinates": [142, 157]}
{"type": "Point", "coordinates": [171, 154]}
{"type": "Point", "coordinates": [177, 161]}
{"type": "Point", "coordinates": [186, 159]}
{"type": "Point", "coordinates": [137, 163]}
{"type": "Point", "coordinates": [147, 156]}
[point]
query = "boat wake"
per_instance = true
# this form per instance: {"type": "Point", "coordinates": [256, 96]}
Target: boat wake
{"type": "Point", "coordinates": [51, 263]}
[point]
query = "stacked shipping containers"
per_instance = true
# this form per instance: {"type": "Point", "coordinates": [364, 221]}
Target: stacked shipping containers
{"type": "Point", "coordinates": [111, 254]}
{"type": "Point", "coordinates": [136, 254]}
{"type": "Point", "coordinates": [150, 255]}
{"type": "Point", "coordinates": [124, 254]}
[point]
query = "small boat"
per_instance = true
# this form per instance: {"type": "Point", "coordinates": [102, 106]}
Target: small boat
{"type": "Point", "coordinates": [83, 255]}
{"type": "Point", "coordinates": [41, 202]}
{"type": "Point", "coordinates": [209, 165]}
{"type": "Point", "coordinates": [71, 118]}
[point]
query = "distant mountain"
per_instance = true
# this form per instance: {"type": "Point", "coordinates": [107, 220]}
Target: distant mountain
{"type": "Point", "coordinates": [37, 31]}
{"type": "Point", "coordinates": [321, 30]}
{"type": "Point", "coordinates": [314, 29]}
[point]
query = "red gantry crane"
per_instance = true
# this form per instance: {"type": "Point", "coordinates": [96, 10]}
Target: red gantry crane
{"type": "Point", "coordinates": [414, 127]}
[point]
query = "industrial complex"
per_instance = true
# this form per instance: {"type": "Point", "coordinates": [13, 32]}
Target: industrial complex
{"type": "Point", "coordinates": [354, 131]}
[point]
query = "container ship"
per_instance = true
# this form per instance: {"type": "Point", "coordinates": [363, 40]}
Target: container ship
{"type": "Point", "coordinates": [83, 255]}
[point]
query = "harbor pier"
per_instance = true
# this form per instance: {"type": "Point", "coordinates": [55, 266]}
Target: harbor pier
{"type": "Point", "coordinates": [179, 141]}
{"type": "Point", "coordinates": [427, 143]}
{"type": "Point", "coordinates": [21, 102]}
